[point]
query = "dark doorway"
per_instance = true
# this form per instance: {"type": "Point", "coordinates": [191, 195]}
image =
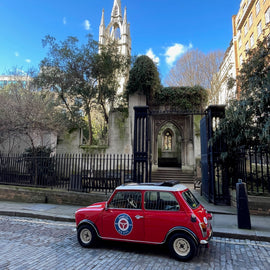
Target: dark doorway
{"type": "Point", "coordinates": [169, 146]}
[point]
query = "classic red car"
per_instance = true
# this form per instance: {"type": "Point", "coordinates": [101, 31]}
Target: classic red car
{"type": "Point", "coordinates": [148, 213]}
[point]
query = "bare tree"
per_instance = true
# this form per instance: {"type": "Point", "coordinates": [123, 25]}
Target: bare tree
{"type": "Point", "coordinates": [28, 114]}
{"type": "Point", "coordinates": [195, 68]}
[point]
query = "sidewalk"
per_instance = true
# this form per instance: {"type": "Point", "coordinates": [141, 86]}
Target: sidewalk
{"type": "Point", "coordinates": [224, 217]}
{"type": "Point", "coordinates": [225, 223]}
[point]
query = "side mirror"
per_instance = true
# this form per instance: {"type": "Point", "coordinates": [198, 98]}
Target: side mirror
{"type": "Point", "coordinates": [106, 206]}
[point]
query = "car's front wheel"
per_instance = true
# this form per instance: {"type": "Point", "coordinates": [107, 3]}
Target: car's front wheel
{"type": "Point", "coordinates": [182, 247]}
{"type": "Point", "coordinates": [86, 235]}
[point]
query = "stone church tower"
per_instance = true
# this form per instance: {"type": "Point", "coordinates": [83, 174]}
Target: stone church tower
{"type": "Point", "coordinates": [120, 125]}
{"type": "Point", "coordinates": [118, 30]}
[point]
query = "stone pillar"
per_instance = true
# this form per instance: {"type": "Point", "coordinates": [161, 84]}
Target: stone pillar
{"type": "Point", "coordinates": [134, 100]}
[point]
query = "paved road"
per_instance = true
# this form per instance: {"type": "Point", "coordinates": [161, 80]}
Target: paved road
{"type": "Point", "coordinates": [38, 244]}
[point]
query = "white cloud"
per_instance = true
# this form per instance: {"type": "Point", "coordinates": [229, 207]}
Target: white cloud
{"type": "Point", "coordinates": [87, 25]}
{"type": "Point", "coordinates": [28, 60]}
{"type": "Point", "coordinates": [64, 20]}
{"type": "Point", "coordinates": [151, 55]}
{"type": "Point", "coordinates": [17, 54]}
{"type": "Point", "coordinates": [174, 52]}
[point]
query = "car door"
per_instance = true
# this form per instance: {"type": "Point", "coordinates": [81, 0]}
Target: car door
{"type": "Point", "coordinates": [124, 219]}
{"type": "Point", "coordinates": [162, 213]}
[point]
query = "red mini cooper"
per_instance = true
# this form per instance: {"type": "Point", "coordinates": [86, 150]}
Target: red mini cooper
{"type": "Point", "coordinates": [148, 213]}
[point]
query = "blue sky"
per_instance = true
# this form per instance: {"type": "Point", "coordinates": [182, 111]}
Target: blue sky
{"type": "Point", "coordinates": [163, 29]}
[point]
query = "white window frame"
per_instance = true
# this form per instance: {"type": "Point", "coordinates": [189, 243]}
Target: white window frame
{"type": "Point", "coordinates": [247, 46]}
{"type": "Point", "coordinates": [250, 20]}
{"type": "Point", "coordinates": [239, 42]}
{"type": "Point", "coordinates": [259, 28]}
{"type": "Point", "coordinates": [267, 16]}
{"type": "Point", "coordinates": [241, 60]}
{"type": "Point", "coordinates": [252, 40]}
{"type": "Point", "coordinates": [258, 7]}
{"type": "Point", "coordinates": [246, 28]}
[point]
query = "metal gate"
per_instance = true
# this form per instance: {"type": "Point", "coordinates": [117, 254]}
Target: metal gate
{"type": "Point", "coordinates": [207, 190]}
{"type": "Point", "coordinates": [142, 151]}
{"type": "Point", "coordinates": [215, 183]}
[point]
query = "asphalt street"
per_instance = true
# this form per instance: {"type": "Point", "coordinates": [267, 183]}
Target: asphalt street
{"type": "Point", "coordinates": [29, 243]}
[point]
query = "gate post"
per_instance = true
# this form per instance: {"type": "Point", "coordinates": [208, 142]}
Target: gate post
{"type": "Point", "coordinates": [215, 184]}
{"type": "Point", "coordinates": [142, 170]}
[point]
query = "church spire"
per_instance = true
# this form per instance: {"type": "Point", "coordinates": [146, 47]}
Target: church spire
{"type": "Point", "coordinates": [102, 18]}
{"type": "Point", "coordinates": [125, 15]}
{"type": "Point", "coordinates": [102, 29]}
{"type": "Point", "coordinates": [116, 10]}
{"type": "Point", "coordinates": [118, 30]}
{"type": "Point", "coordinates": [125, 23]}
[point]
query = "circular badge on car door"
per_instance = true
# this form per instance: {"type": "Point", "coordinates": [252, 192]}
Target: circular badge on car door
{"type": "Point", "coordinates": [123, 224]}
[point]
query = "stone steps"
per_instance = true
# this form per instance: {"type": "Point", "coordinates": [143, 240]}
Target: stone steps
{"type": "Point", "coordinates": [172, 174]}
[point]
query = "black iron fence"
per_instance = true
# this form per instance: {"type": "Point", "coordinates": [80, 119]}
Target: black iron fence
{"type": "Point", "coordinates": [254, 169]}
{"type": "Point", "coordinates": [72, 172]}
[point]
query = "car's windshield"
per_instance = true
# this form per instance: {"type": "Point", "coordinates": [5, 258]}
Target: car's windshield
{"type": "Point", "coordinates": [190, 199]}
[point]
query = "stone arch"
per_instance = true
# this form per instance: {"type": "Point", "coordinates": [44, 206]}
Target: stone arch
{"type": "Point", "coordinates": [183, 128]}
{"type": "Point", "coordinates": [169, 141]}
{"type": "Point", "coordinates": [114, 28]}
{"type": "Point", "coordinates": [115, 31]}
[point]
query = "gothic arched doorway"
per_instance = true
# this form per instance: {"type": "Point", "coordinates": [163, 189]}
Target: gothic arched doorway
{"type": "Point", "coordinates": [169, 146]}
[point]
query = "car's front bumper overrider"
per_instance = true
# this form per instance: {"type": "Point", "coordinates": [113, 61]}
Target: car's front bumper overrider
{"type": "Point", "coordinates": [205, 242]}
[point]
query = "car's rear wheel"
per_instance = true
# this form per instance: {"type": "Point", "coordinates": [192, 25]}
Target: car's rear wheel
{"type": "Point", "coordinates": [182, 246]}
{"type": "Point", "coordinates": [86, 235]}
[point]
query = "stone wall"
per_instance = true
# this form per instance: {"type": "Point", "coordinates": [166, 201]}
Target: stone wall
{"type": "Point", "coordinates": [38, 195]}
{"type": "Point", "coordinates": [17, 143]}
{"type": "Point", "coordinates": [258, 205]}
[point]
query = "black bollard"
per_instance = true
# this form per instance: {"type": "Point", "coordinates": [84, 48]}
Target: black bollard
{"type": "Point", "coordinates": [243, 215]}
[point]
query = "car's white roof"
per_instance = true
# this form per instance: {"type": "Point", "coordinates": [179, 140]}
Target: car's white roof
{"type": "Point", "coordinates": [135, 186]}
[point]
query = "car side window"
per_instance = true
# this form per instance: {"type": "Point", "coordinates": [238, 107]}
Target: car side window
{"type": "Point", "coordinates": [126, 200]}
{"type": "Point", "coordinates": [160, 200]}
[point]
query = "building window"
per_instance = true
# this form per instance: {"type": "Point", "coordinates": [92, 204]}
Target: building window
{"type": "Point", "coordinates": [244, 8]}
{"type": "Point", "coordinates": [267, 16]}
{"type": "Point", "coordinates": [246, 29]}
{"type": "Point", "coordinates": [251, 40]}
{"type": "Point", "coordinates": [238, 33]}
{"type": "Point", "coordinates": [258, 7]}
{"type": "Point", "coordinates": [259, 28]}
{"type": "Point", "coordinates": [240, 42]}
{"type": "Point", "coordinates": [168, 141]}
{"type": "Point", "coordinates": [241, 59]}
{"type": "Point", "coordinates": [250, 20]}
{"type": "Point", "coordinates": [247, 46]}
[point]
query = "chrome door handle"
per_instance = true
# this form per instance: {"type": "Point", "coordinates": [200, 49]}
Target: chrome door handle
{"type": "Point", "coordinates": [138, 217]}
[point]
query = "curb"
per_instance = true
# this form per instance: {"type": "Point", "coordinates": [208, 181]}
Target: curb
{"type": "Point", "coordinates": [241, 236]}
{"type": "Point", "coordinates": [37, 216]}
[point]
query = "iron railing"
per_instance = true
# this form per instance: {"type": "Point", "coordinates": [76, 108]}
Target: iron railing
{"type": "Point", "coordinates": [253, 168]}
{"type": "Point", "coordinates": [72, 172]}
